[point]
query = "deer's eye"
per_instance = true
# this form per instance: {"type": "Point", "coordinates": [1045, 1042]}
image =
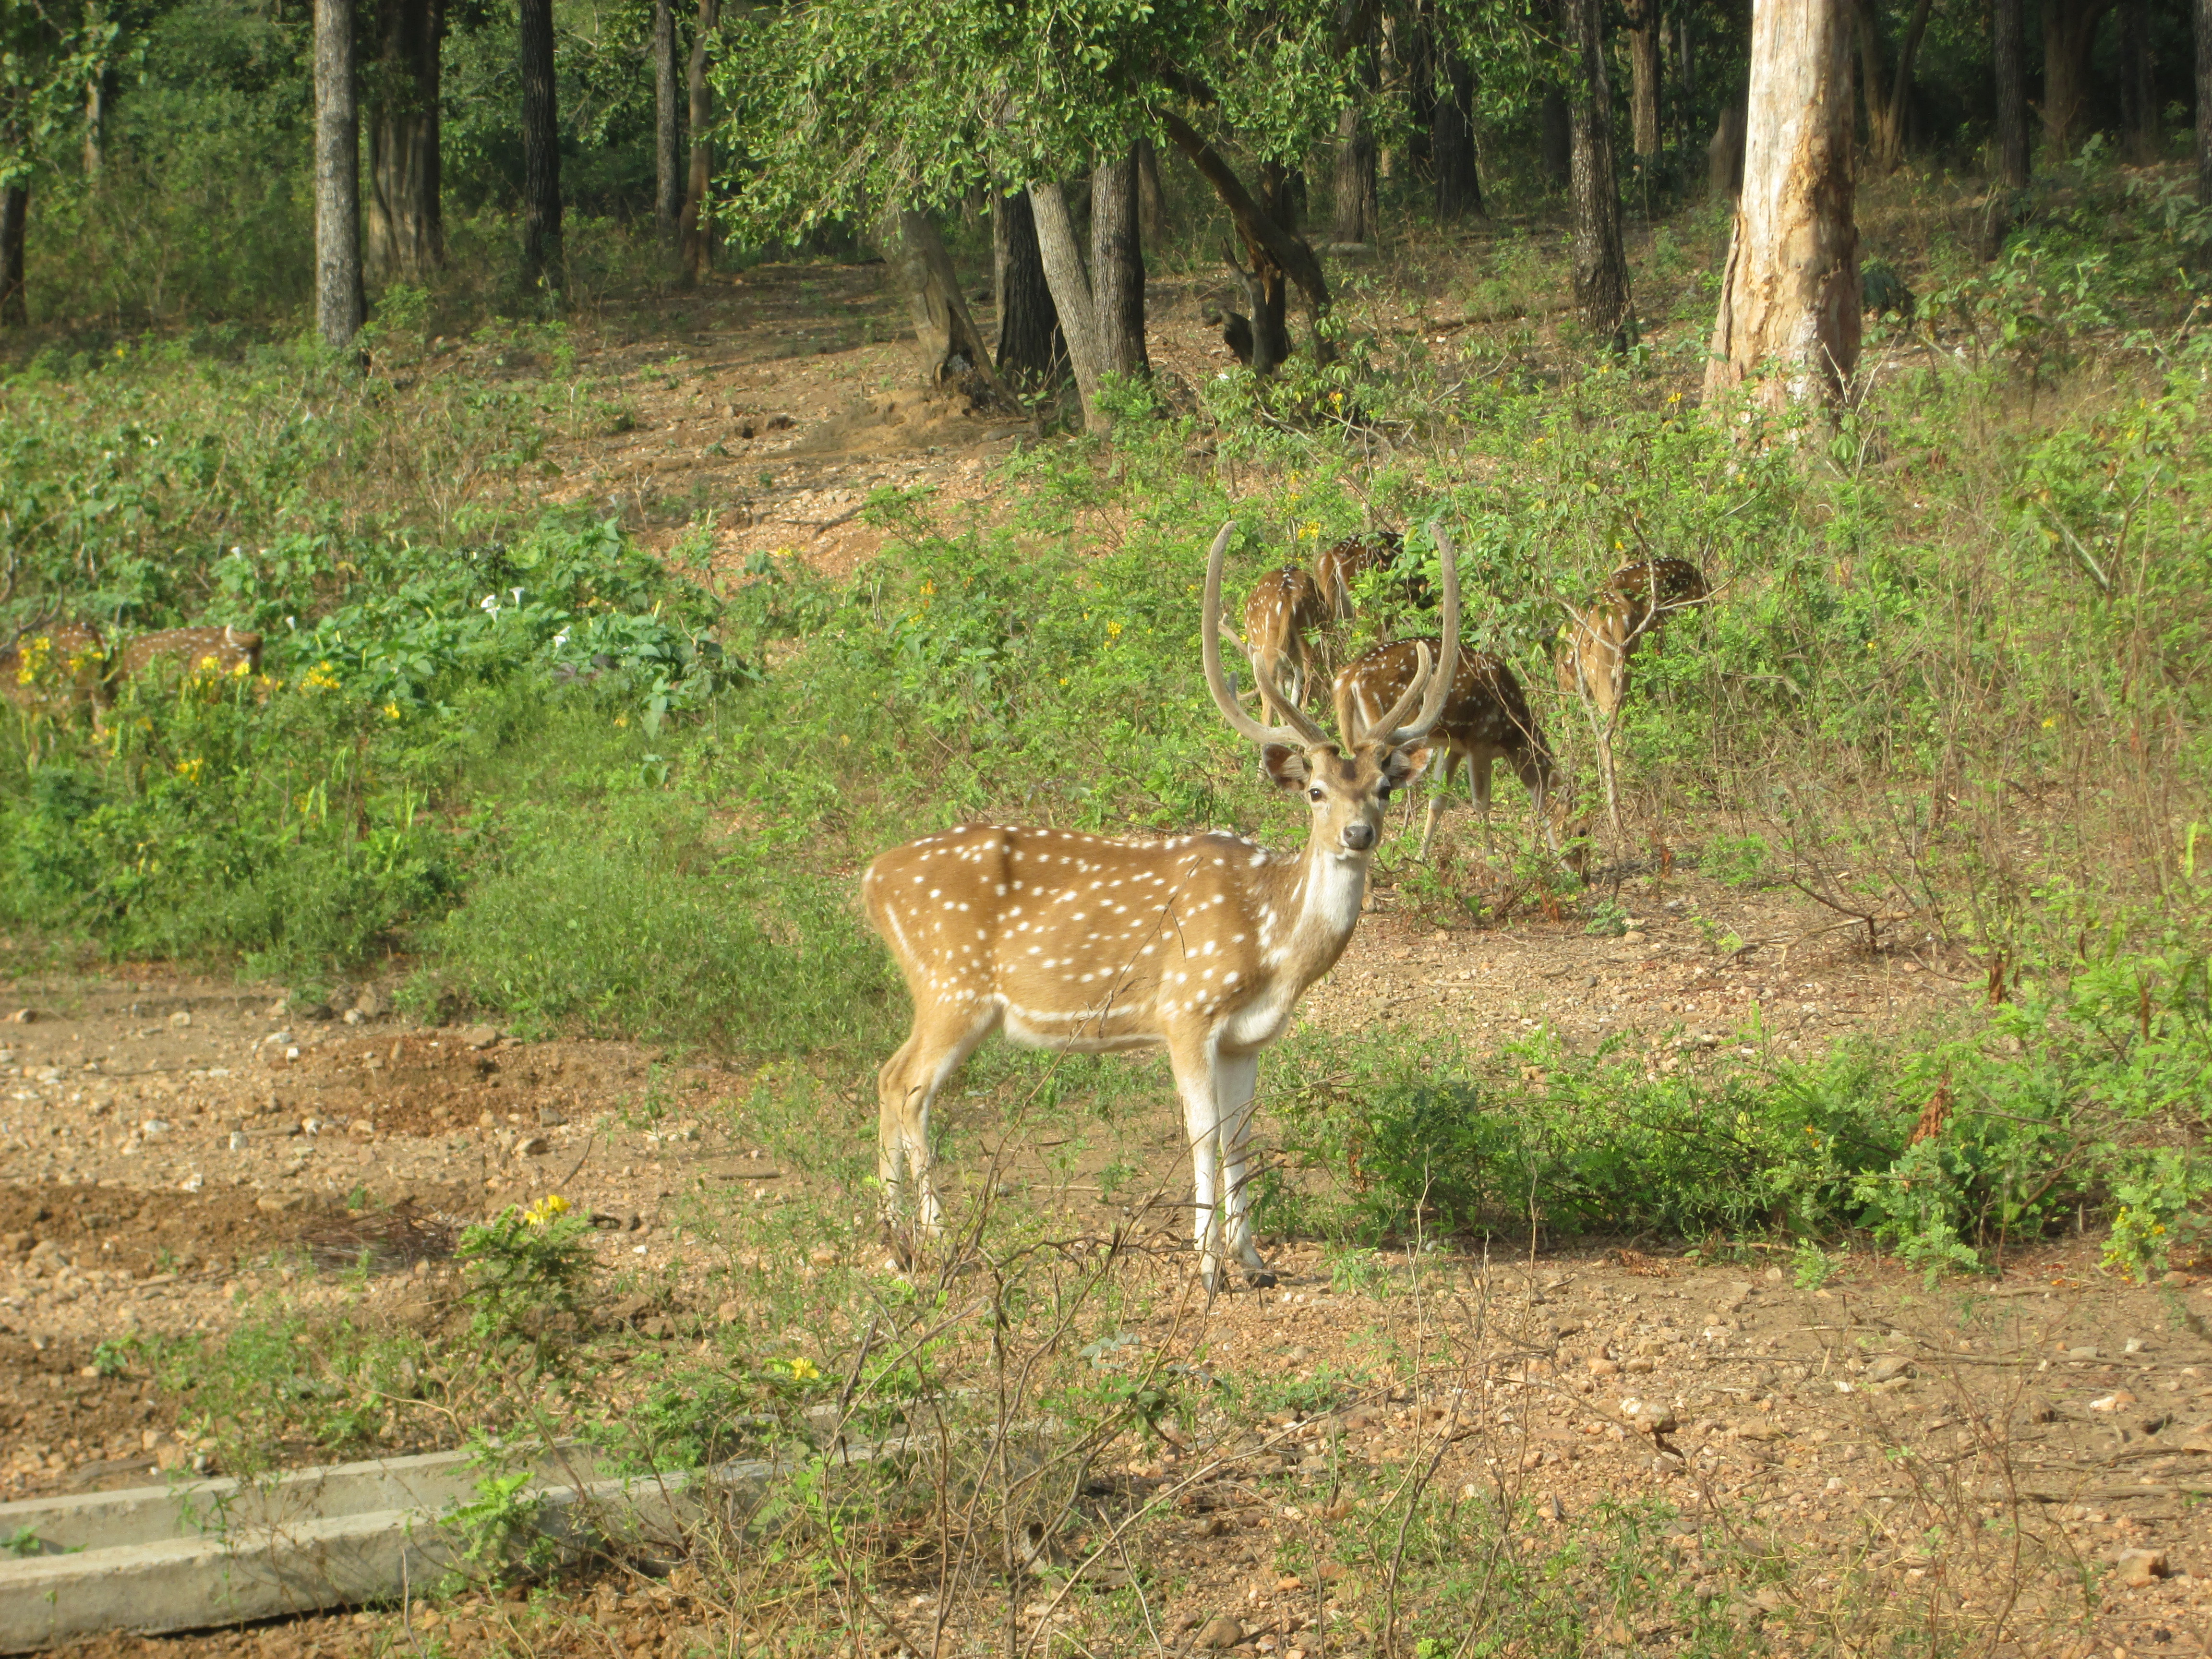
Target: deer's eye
{"type": "Point", "coordinates": [1316, 793]}
{"type": "Point", "coordinates": [1382, 792]}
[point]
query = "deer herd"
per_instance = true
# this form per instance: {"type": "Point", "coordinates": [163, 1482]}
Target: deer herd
{"type": "Point", "coordinates": [1202, 944]}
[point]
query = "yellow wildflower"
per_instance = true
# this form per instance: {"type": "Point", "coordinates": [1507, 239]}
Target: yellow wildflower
{"type": "Point", "coordinates": [2050, 720]}
{"type": "Point", "coordinates": [1310, 532]}
{"type": "Point", "coordinates": [391, 711]}
{"type": "Point", "coordinates": [546, 1210]}
{"type": "Point", "coordinates": [1112, 630]}
{"type": "Point", "coordinates": [804, 1371]}
{"type": "Point", "coordinates": [321, 677]}
{"type": "Point", "coordinates": [190, 770]}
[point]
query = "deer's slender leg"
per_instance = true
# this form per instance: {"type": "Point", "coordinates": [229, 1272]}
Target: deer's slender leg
{"type": "Point", "coordinates": [1478, 790]}
{"type": "Point", "coordinates": [940, 1041]}
{"type": "Point", "coordinates": [1440, 785]}
{"type": "Point", "coordinates": [1194, 1074]}
{"type": "Point", "coordinates": [1235, 1078]}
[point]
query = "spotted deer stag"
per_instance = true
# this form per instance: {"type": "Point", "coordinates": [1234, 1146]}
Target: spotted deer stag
{"type": "Point", "coordinates": [1634, 604]}
{"type": "Point", "coordinates": [227, 650]}
{"type": "Point", "coordinates": [1201, 945]}
{"type": "Point", "coordinates": [1282, 618]}
{"type": "Point", "coordinates": [1485, 720]}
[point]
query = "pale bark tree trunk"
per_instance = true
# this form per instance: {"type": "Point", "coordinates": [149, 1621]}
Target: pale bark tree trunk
{"type": "Point", "coordinates": [541, 142]}
{"type": "Point", "coordinates": [698, 239]}
{"type": "Point", "coordinates": [15, 228]}
{"type": "Point", "coordinates": [1789, 318]}
{"type": "Point", "coordinates": [2139, 122]}
{"type": "Point", "coordinates": [1601, 262]}
{"type": "Point", "coordinates": [667, 125]}
{"type": "Point", "coordinates": [2203, 23]}
{"type": "Point", "coordinates": [1071, 296]}
{"type": "Point", "coordinates": [2070, 29]}
{"type": "Point", "coordinates": [406, 223]}
{"type": "Point", "coordinates": [1117, 266]}
{"type": "Point", "coordinates": [951, 345]}
{"type": "Point", "coordinates": [1031, 350]}
{"type": "Point", "coordinates": [2008, 65]}
{"type": "Point", "coordinates": [95, 125]}
{"type": "Point", "coordinates": [1554, 140]}
{"type": "Point", "coordinates": [340, 305]}
{"type": "Point", "coordinates": [1451, 142]}
{"type": "Point", "coordinates": [1645, 38]}
{"type": "Point", "coordinates": [1152, 197]}
{"type": "Point", "coordinates": [1687, 51]}
{"type": "Point", "coordinates": [1356, 192]}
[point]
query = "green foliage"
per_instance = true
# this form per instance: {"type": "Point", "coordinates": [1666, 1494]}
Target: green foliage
{"type": "Point", "coordinates": [527, 1272]}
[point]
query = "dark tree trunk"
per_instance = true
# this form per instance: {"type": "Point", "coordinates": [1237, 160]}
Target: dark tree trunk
{"type": "Point", "coordinates": [1268, 224]}
{"type": "Point", "coordinates": [1688, 55]}
{"type": "Point", "coordinates": [1419, 63]}
{"type": "Point", "coordinates": [2203, 23]}
{"type": "Point", "coordinates": [667, 125]}
{"type": "Point", "coordinates": [2070, 29]}
{"type": "Point", "coordinates": [1152, 198]}
{"type": "Point", "coordinates": [1887, 89]}
{"type": "Point", "coordinates": [1031, 350]}
{"type": "Point", "coordinates": [1117, 267]}
{"type": "Point", "coordinates": [2139, 134]}
{"type": "Point", "coordinates": [340, 305]}
{"type": "Point", "coordinates": [95, 125]}
{"type": "Point", "coordinates": [1554, 141]}
{"type": "Point", "coordinates": [1459, 184]}
{"type": "Point", "coordinates": [2008, 62]}
{"type": "Point", "coordinates": [406, 222]}
{"type": "Point", "coordinates": [698, 239]}
{"type": "Point", "coordinates": [1355, 190]}
{"type": "Point", "coordinates": [15, 225]}
{"type": "Point", "coordinates": [1601, 262]}
{"type": "Point", "coordinates": [1644, 37]}
{"type": "Point", "coordinates": [1725, 155]}
{"type": "Point", "coordinates": [541, 144]}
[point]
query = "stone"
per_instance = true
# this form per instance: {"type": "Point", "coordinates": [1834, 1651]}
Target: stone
{"type": "Point", "coordinates": [2118, 1400]}
{"type": "Point", "coordinates": [531, 1147]}
{"type": "Point", "coordinates": [372, 1004]}
{"type": "Point", "coordinates": [1220, 1634]}
{"type": "Point", "coordinates": [479, 1036]}
{"type": "Point", "coordinates": [1656, 1417]}
{"type": "Point", "coordinates": [180, 1020]}
{"type": "Point", "coordinates": [1888, 1365]}
{"type": "Point", "coordinates": [1600, 1366]}
{"type": "Point", "coordinates": [550, 1117]}
{"type": "Point", "coordinates": [2137, 1568]}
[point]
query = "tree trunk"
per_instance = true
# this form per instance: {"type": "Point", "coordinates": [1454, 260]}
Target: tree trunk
{"type": "Point", "coordinates": [1887, 89]}
{"type": "Point", "coordinates": [1355, 191]}
{"type": "Point", "coordinates": [2008, 65]}
{"type": "Point", "coordinates": [406, 225]}
{"type": "Point", "coordinates": [1268, 225]}
{"type": "Point", "coordinates": [1152, 198]}
{"type": "Point", "coordinates": [541, 144]}
{"type": "Point", "coordinates": [951, 346]}
{"type": "Point", "coordinates": [1644, 36]}
{"type": "Point", "coordinates": [340, 305]}
{"type": "Point", "coordinates": [1725, 155]}
{"type": "Point", "coordinates": [2204, 21]}
{"type": "Point", "coordinates": [1071, 296]}
{"type": "Point", "coordinates": [1117, 266]}
{"type": "Point", "coordinates": [1554, 141]}
{"type": "Point", "coordinates": [95, 123]}
{"type": "Point", "coordinates": [1601, 262]}
{"type": "Point", "coordinates": [1451, 142]}
{"type": "Point", "coordinates": [667, 126]}
{"type": "Point", "coordinates": [2139, 123]}
{"type": "Point", "coordinates": [15, 225]}
{"type": "Point", "coordinates": [698, 237]}
{"type": "Point", "coordinates": [1415, 50]}
{"type": "Point", "coordinates": [2070, 29]}
{"type": "Point", "coordinates": [1031, 350]}
{"type": "Point", "coordinates": [1790, 293]}
{"type": "Point", "coordinates": [1687, 54]}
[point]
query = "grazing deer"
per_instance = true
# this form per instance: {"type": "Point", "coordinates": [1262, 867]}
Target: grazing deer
{"type": "Point", "coordinates": [1635, 603]}
{"type": "Point", "coordinates": [1286, 610]}
{"type": "Point", "coordinates": [1485, 720]}
{"type": "Point", "coordinates": [1339, 566]}
{"type": "Point", "coordinates": [1201, 945]}
{"type": "Point", "coordinates": [51, 665]}
{"type": "Point", "coordinates": [227, 650]}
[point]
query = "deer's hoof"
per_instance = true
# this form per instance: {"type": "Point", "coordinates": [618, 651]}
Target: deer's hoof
{"type": "Point", "coordinates": [1261, 1279]}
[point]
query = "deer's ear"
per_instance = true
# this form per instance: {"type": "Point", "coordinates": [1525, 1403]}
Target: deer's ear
{"type": "Point", "coordinates": [1402, 765]}
{"type": "Point", "coordinates": [1287, 766]}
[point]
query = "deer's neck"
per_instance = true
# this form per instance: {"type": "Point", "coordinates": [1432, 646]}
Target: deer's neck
{"type": "Point", "coordinates": [1316, 899]}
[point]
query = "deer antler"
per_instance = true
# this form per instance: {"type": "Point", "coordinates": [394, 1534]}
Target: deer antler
{"type": "Point", "coordinates": [1300, 733]}
{"type": "Point", "coordinates": [1434, 682]}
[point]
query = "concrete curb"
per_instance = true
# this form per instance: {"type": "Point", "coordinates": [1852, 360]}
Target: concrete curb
{"type": "Point", "coordinates": [213, 1553]}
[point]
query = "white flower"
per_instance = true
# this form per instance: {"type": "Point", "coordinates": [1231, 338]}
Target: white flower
{"type": "Point", "coordinates": [561, 638]}
{"type": "Point", "coordinates": [518, 594]}
{"type": "Point", "coordinates": [488, 604]}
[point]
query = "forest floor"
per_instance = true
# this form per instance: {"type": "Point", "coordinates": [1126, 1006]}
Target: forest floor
{"type": "Point", "coordinates": [173, 1150]}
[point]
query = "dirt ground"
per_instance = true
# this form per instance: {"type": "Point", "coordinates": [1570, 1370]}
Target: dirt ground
{"type": "Point", "coordinates": [168, 1146]}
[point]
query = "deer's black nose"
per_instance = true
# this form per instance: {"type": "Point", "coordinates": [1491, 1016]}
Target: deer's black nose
{"type": "Point", "coordinates": [1359, 837]}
